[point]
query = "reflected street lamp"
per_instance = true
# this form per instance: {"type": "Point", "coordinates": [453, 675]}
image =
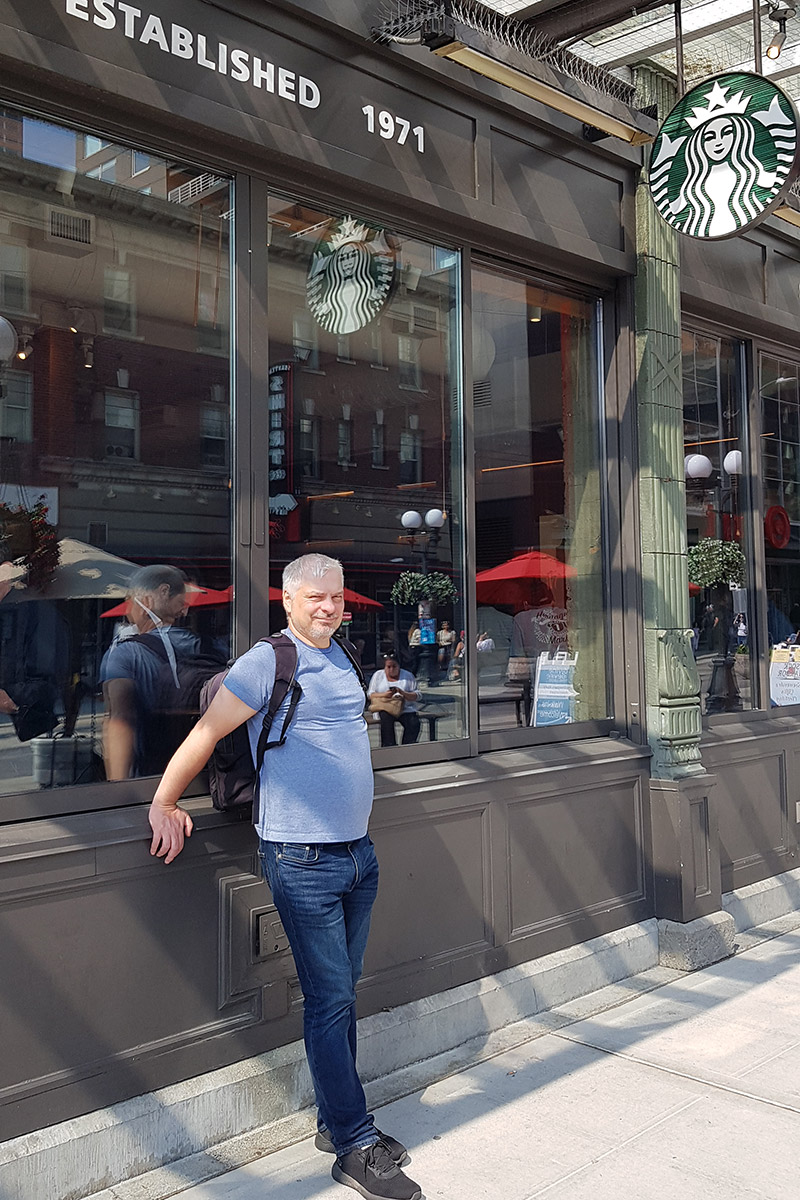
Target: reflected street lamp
{"type": "Point", "coordinates": [433, 522]}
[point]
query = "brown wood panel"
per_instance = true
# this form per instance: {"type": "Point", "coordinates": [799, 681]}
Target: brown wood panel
{"type": "Point", "coordinates": [574, 853]}
{"type": "Point", "coordinates": [434, 895]}
{"type": "Point", "coordinates": [755, 798]}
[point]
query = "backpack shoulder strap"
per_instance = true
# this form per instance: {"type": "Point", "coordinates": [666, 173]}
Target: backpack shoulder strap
{"type": "Point", "coordinates": [354, 657]}
{"type": "Point", "coordinates": [285, 682]}
{"type": "Point", "coordinates": [151, 643]}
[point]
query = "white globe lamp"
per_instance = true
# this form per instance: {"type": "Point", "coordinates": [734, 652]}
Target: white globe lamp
{"type": "Point", "coordinates": [698, 466]}
{"type": "Point", "coordinates": [732, 462]}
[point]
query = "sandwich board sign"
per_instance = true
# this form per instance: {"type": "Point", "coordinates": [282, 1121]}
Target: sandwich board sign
{"type": "Point", "coordinates": [553, 691]}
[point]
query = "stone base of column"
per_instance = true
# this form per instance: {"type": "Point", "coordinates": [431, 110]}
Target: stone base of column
{"type": "Point", "coordinates": [697, 944]}
{"type": "Point", "coordinates": [686, 864]}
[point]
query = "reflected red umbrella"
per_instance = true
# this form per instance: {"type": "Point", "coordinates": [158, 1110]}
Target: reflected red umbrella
{"type": "Point", "coordinates": [196, 597]}
{"type": "Point", "coordinates": [511, 581]}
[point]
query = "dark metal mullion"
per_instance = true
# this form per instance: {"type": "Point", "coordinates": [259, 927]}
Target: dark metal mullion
{"type": "Point", "coordinates": [259, 414]}
{"type": "Point", "coordinates": [750, 391]}
{"type": "Point", "coordinates": [468, 492]}
{"type": "Point", "coordinates": [240, 393]}
{"type": "Point", "coordinates": [607, 504]}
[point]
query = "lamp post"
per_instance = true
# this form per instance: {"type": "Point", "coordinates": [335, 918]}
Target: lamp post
{"type": "Point", "coordinates": [433, 521]}
{"type": "Point", "coordinates": [424, 533]}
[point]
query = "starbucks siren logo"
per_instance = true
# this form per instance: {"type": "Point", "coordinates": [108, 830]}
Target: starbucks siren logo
{"type": "Point", "coordinates": [350, 277]}
{"type": "Point", "coordinates": [725, 156]}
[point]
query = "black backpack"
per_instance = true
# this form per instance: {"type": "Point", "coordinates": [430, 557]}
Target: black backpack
{"type": "Point", "coordinates": [174, 710]}
{"type": "Point", "coordinates": [232, 775]}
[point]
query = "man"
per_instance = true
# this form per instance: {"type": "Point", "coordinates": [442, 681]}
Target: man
{"type": "Point", "coordinates": [137, 740]}
{"type": "Point", "coordinates": [315, 800]}
{"type": "Point", "coordinates": [392, 681]}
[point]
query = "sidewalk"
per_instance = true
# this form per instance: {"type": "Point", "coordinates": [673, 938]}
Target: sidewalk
{"type": "Point", "coordinates": [685, 1087]}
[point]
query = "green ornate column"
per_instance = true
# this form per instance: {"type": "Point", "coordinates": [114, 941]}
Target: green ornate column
{"type": "Point", "coordinates": [671, 679]}
{"type": "Point", "coordinates": [685, 848]}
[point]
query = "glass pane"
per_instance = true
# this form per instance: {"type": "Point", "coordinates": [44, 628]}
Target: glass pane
{"type": "Point", "coordinates": [114, 427]}
{"type": "Point", "coordinates": [364, 450]}
{"type": "Point", "coordinates": [541, 622]}
{"type": "Point", "coordinates": [714, 464]}
{"type": "Point", "coordinates": [780, 461]}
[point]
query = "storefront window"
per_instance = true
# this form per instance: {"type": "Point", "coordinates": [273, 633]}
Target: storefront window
{"type": "Point", "coordinates": [114, 452]}
{"type": "Point", "coordinates": [715, 465]}
{"type": "Point", "coordinates": [364, 448]}
{"type": "Point", "coordinates": [780, 468]}
{"type": "Point", "coordinates": [541, 626]}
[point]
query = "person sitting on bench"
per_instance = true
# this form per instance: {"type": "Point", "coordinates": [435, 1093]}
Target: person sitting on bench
{"type": "Point", "coordinates": [392, 681]}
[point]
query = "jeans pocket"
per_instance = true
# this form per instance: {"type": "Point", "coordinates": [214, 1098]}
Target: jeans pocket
{"type": "Point", "coordinates": [295, 852]}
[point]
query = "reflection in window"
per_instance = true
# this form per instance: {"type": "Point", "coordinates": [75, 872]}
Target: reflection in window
{"type": "Point", "coordinates": [107, 171]}
{"type": "Point", "coordinates": [214, 431]}
{"type": "Point", "coordinates": [378, 441]}
{"type": "Point", "coordinates": [305, 342]}
{"type": "Point", "coordinates": [410, 452]}
{"type": "Point", "coordinates": [714, 465]}
{"type": "Point", "coordinates": [96, 424]}
{"type": "Point", "coordinates": [540, 636]}
{"type": "Point", "coordinates": [122, 425]}
{"type": "Point", "coordinates": [16, 406]}
{"type": "Point", "coordinates": [779, 387]}
{"type": "Point", "coordinates": [409, 362]}
{"type": "Point", "coordinates": [338, 277]}
{"type": "Point", "coordinates": [13, 278]}
{"type": "Point", "coordinates": [119, 308]}
{"type": "Point", "coordinates": [344, 455]}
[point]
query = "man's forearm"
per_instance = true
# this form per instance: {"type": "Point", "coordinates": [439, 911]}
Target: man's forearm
{"type": "Point", "coordinates": [190, 757]}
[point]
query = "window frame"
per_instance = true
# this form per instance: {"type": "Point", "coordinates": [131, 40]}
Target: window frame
{"type": "Point", "coordinates": [606, 349]}
{"type": "Point", "coordinates": [246, 549]}
{"type": "Point", "coordinates": [749, 488]}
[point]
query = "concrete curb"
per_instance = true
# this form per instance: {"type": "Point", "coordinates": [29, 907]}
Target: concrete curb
{"type": "Point", "coordinates": [76, 1158]}
{"type": "Point", "coordinates": [760, 903]}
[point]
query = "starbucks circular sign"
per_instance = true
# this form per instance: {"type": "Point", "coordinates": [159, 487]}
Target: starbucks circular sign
{"type": "Point", "coordinates": [350, 276]}
{"type": "Point", "coordinates": [725, 156]}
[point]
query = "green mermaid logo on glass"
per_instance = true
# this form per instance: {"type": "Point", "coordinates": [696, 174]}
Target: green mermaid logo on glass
{"type": "Point", "coordinates": [724, 157]}
{"type": "Point", "coordinates": [350, 276]}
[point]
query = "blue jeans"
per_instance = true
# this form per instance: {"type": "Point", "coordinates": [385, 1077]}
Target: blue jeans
{"type": "Point", "coordinates": [324, 895]}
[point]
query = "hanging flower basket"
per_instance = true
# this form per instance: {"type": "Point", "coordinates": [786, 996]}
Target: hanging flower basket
{"type": "Point", "coordinates": [413, 586]}
{"type": "Point", "coordinates": [27, 537]}
{"type": "Point", "coordinates": [714, 562]}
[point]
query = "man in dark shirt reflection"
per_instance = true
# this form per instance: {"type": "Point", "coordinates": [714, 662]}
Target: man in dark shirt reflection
{"type": "Point", "coordinates": [135, 735]}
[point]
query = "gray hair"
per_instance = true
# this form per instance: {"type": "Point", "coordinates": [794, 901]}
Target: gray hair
{"type": "Point", "coordinates": [308, 567]}
{"type": "Point", "coordinates": [147, 580]}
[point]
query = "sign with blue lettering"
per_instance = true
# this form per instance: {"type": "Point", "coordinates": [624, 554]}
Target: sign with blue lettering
{"type": "Point", "coordinates": [554, 694]}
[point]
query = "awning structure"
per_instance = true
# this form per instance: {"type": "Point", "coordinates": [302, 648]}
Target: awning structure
{"type": "Point", "coordinates": [718, 35]}
{"type": "Point", "coordinates": [583, 57]}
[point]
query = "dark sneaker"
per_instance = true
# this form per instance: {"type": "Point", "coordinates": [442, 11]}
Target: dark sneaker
{"type": "Point", "coordinates": [397, 1150]}
{"type": "Point", "coordinates": [374, 1174]}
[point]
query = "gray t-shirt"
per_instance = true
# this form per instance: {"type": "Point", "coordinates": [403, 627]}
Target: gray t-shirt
{"type": "Point", "coordinates": [318, 786]}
